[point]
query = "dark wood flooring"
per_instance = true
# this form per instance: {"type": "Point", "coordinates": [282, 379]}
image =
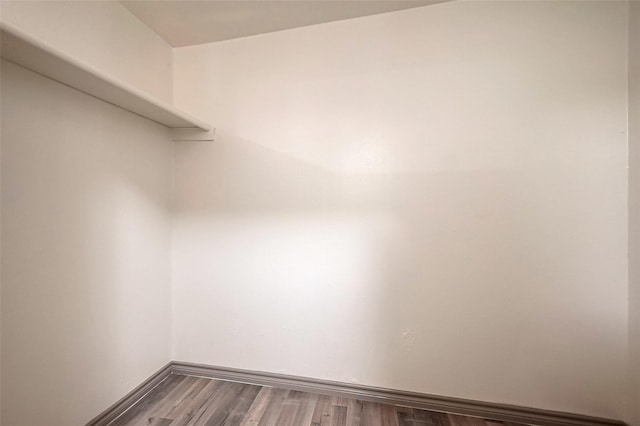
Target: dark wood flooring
{"type": "Point", "coordinates": [185, 400]}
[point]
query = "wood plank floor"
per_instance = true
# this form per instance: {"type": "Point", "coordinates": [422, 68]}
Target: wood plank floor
{"type": "Point", "coordinates": [185, 400]}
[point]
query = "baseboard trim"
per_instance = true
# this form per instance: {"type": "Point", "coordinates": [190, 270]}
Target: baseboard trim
{"type": "Point", "coordinates": [129, 400]}
{"type": "Point", "coordinates": [507, 413]}
{"type": "Point", "coordinates": [487, 410]}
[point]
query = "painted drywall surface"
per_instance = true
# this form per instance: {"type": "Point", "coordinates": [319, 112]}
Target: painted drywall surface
{"type": "Point", "coordinates": [431, 200]}
{"type": "Point", "coordinates": [107, 36]}
{"type": "Point", "coordinates": [86, 282]}
{"type": "Point", "coordinates": [634, 214]}
{"type": "Point", "coordinates": [104, 34]}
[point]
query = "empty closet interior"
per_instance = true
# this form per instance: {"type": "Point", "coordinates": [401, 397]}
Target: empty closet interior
{"type": "Point", "coordinates": [432, 197]}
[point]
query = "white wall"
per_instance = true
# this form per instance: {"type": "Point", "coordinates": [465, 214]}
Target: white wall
{"type": "Point", "coordinates": [634, 214]}
{"type": "Point", "coordinates": [86, 281]}
{"type": "Point", "coordinates": [432, 200]}
{"type": "Point", "coordinates": [103, 34]}
{"type": "Point", "coordinates": [86, 189]}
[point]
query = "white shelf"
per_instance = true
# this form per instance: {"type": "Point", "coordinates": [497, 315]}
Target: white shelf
{"type": "Point", "coordinates": [36, 55]}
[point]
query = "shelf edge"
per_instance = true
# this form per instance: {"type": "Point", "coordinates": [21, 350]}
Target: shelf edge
{"type": "Point", "coordinates": [32, 53]}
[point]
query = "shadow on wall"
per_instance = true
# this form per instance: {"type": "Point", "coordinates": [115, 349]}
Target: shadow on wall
{"type": "Point", "coordinates": [417, 281]}
{"type": "Point", "coordinates": [85, 250]}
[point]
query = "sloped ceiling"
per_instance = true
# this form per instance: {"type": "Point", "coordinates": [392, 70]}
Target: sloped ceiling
{"type": "Point", "coordinates": [186, 22]}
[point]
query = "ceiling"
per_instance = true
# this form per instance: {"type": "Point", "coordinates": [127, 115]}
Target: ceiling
{"type": "Point", "coordinates": [186, 22]}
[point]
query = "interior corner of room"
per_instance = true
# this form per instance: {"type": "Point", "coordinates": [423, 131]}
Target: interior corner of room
{"type": "Point", "coordinates": [432, 204]}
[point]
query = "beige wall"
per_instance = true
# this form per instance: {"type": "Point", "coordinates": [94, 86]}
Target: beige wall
{"type": "Point", "coordinates": [86, 308]}
{"type": "Point", "coordinates": [634, 214]}
{"type": "Point", "coordinates": [86, 298]}
{"type": "Point", "coordinates": [103, 34]}
{"type": "Point", "coordinates": [431, 200]}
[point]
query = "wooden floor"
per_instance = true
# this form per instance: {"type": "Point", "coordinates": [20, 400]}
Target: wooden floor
{"type": "Point", "coordinates": [185, 400]}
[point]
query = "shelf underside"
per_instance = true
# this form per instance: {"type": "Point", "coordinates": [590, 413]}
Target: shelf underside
{"type": "Point", "coordinates": [36, 55]}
